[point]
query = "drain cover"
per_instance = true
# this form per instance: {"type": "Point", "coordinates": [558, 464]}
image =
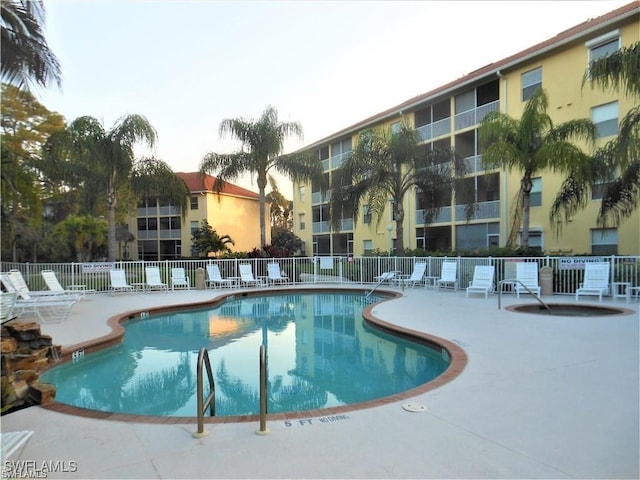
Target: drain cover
{"type": "Point", "coordinates": [414, 407]}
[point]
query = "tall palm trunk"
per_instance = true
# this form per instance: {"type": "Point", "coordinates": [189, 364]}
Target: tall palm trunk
{"type": "Point", "coordinates": [262, 185]}
{"type": "Point", "coordinates": [112, 202]}
{"type": "Point", "coordinates": [399, 227]}
{"type": "Point", "coordinates": [526, 210]}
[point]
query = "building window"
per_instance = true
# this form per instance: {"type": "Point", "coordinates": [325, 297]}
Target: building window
{"type": "Point", "coordinates": [301, 221]}
{"type": "Point", "coordinates": [194, 202]}
{"type": "Point", "coordinates": [367, 246]}
{"type": "Point", "coordinates": [603, 45]}
{"type": "Point", "coordinates": [395, 128]}
{"type": "Point", "coordinates": [605, 118]}
{"type": "Point", "coordinates": [535, 240]}
{"type": "Point", "coordinates": [604, 241]}
{"type": "Point", "coordinates": [194, 227]}
{"type": "Point", "coordinates": [531, 81]}
{"type": "Point", "coordinates": [536, 192]}
{"type": "Point", "coordinates": [301, 190]}
{"type": "Point", "coordinates": [366, 215]}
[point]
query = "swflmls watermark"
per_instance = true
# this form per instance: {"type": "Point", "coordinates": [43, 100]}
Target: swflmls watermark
{"type": "Point", "coordinates": [36, 469]}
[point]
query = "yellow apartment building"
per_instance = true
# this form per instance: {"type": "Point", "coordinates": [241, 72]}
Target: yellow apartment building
{"type": "Point", "coordinates": [162, 233]}
{"type": "Point", "coordinates": [449, 116]}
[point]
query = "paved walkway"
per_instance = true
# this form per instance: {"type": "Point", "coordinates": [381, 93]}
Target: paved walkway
{"type": "Point", "coordinates": [540, 397]}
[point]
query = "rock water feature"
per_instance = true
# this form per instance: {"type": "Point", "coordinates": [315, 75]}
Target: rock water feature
{"type": "Point", "coordinates": [26, 353]}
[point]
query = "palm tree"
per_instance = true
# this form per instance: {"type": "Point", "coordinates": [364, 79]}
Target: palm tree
{"type": "Point", "coordinates": [102, 163]}
{"type": "Point", "coordinates": [618, 162]}
{"type": "Point", "coordinates": [532, 144]}
{"type": "Point", "coordinates": [262, 143]}
{"type": "Point", "coordinates": [384, 167]}
{"type": "Point", "coordinates": [25, 56]}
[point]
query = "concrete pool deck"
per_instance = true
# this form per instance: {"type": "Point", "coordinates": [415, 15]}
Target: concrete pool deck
{"type": "Point", "coordinates": [540, 397]}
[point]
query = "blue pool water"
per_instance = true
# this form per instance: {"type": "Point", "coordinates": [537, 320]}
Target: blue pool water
{"type": "Point", "coordinates": [320, 354]}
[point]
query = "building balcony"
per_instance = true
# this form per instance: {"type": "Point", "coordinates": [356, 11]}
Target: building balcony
{"type": "Point", "coordinates": [482, 210]}
{"type": "Point", "coordinates": [320, 197]}
{"type": "Point", "coordinates": [435, 129]}
{"type": "Point", "coordinates": [473, 164]}
{"type": "Point", "coordinates": [443, 216]}
{"type": "Point", "coordinates": [474, 116]}
{"type": "Point", "coordinates": [321, 227]}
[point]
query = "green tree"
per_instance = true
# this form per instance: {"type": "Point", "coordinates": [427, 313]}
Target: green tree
{"type": "Point", "coordinates": [101, 162]}
{"type": "Point", "coordinates": [386, 166]}
{"type": "Point", "coordinates": [617, 163]}
{"type": "Point", "coordinates": [25, 57]}
{"type": "Point", "coordinates": [531, 145]}
{"type": "Point", "coordinates": [83, 233]}
{"type": "Point", "coordinates": [25, 125]}
{"type": "Point", "coordinates": [281, 211]}
{"type": "Point", "coordinates": [262, 143]}
{"type": "Point", "coordinates": [287, 243]}
{"type": "Point", "coordinates": [206, 240]}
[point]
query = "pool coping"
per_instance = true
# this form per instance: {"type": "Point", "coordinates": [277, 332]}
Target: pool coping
{"type": "Point", "coordinates": [457, 355]}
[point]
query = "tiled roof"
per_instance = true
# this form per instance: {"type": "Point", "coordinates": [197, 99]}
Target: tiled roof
{"type": "Point", "coordinates": [199, 183]}
{"type": "Point", "coordinates": [490, 69]}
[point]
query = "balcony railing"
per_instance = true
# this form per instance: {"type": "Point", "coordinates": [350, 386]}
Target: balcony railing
{"type": "Point", "coordinates": [481, 211]}
{"type": "Point", "coordinates": [473, 164]}
{"type": "Point", "coordinates": [435, 129]}
{"type": "Point", "coordinates": [443, 216]}
{"type": "Point", "coordinates": [475, 115]}
{"type": "Point", "coordinates": [320, 197]}
{"type": "Point", "coordinates": [321, 227]}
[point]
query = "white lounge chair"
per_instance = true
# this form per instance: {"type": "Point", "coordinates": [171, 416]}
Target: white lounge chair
{"type": "Point", "coordinates": [385, 277]}
{"type": "Point", "coordinates": [12, 442]}
{"type": "Point", "coordinates": [154, 281]}
{"type": "Point", "coordinates": [449, 275]}
{"type": "Point", "coordinates": [14, 281]}
{"type": "Point", "coordinates": [18, 284]}
{"type": "Point", "coordinates": [482, 280]}
{"type": "Point", "coordinates": [417, 276]}
{"type": "Point", "coordinates": [51, 280]}
{"type": "Point", "coordinates": [246, 276]}
{"type": "Point", "coordinates": [274, 274]}
{"type": "Point", "coordinates": [596, 280]}
{"type": "Point", "coordinates": [179, 279]}
{"type": "Point", "coordinates": [215, 278]}
{"type": "Point", "coordinates": [7, 304]}
{"type": "Point", "coordinates": [119, 281]}
{"type": "Point", "coordinates": [527, 278]}
{"type": "Point", "coordinates": [46, 308]}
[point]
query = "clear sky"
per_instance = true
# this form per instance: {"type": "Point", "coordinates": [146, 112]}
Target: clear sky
{"type": "Point", "coordinates": [188, 64]}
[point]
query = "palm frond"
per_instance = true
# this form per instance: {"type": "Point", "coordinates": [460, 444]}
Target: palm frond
{"type": "Point", "coordinates": [617, 71]}
{"type": "Point", "coordinates": [621, 197]}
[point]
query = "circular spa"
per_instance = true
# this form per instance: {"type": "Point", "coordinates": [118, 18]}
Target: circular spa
{"type": "Point", "coordinates": [567, 310]}
{"type": "Point", "coordinates": [321, 354]}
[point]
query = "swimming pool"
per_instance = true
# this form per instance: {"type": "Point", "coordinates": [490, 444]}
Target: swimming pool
{"type": "Point", "coordinates": [320, 353]}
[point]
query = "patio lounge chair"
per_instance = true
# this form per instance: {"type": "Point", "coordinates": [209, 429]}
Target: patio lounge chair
{"type": "Point", "coordinates": [179, 278]}
{"type": "Point", "coordinates": [596, 280]}
{"type": "Point", "coordinates": [246, 276]}
{"type": "Point", "coordinates": [449, 275]}
{"type": "Point", "coordinates": [482, 280]}
{"type": "Point", "coordinates": [527, 278]}
{"type": "Point", "coordinates": [47, 308]}
{"type": "Point", "coordinates": [14, 281]}
{"type": "Point", "coordinates": [7, 304]}
{"type": "Point", "coordinates": [154, 281]}
{"type": "Point", "coordinates": [417, 276]}
{"type": "Point", "coordinates": [215, 278]}
{"type": "Point", "coordinates": [119, 281]}
{"type": "Point", "coordinates": [385, 277]}
{"type": "Point", "coordinates": [51, 280]}
{"type": "Point", "coordinates": [274, 274]}
{"type": "Point", "coordinates": [13, 441]}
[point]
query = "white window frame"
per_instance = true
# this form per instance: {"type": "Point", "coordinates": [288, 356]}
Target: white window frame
{"type": "Point", "coordinates": [536, 192]}
{"type": "Point", "coordinates": [605, 39]}
{"type": "Point", "coordinates": [604, 237]}
{"type": "Point", "coordinates": [527, 81]}
{"type": "Point", "coordinates": [602, 115]}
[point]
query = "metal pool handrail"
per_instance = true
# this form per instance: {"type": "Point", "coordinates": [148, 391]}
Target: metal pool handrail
{"type": "Point", "coordinates": [263, 392]}
{"type": "Point", "coordinates": [502, 282]}
{"type": "Point", "coordinates": [203, 358]}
